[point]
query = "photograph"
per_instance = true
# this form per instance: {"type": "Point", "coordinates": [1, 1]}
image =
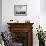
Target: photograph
{"type": "Point", "coordinates": [20, 10]}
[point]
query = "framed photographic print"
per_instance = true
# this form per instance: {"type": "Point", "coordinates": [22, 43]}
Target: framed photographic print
{"type": "Point", "coordinates": [20, 10]}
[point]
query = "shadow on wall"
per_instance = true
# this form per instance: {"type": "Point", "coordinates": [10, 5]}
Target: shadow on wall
{"type": "Point", "coordinates": [0, 15]}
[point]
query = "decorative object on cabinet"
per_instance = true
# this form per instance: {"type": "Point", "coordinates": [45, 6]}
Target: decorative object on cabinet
{"type": "Point", "coordinates": [27, 21]}
{"type": "Point", "coordinates": [22, 33]}
{"type": "Point", "coordinates": [13, 21]}
{"type": "Point", "coordinates": [20, 10]}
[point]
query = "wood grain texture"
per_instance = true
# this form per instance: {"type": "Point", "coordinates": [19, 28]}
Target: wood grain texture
{"type": "Point", "coordinates": [23, 27]}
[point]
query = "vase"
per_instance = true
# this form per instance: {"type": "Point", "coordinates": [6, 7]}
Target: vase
{"type": "Point", "coordinates": [41, 43]}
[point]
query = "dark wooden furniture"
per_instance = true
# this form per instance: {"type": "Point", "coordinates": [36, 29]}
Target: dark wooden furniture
{"type": "Point", "coordinates": [22, 33]}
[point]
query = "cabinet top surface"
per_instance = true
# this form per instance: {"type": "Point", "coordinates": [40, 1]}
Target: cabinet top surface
{"type": "Point", "coordinates": [19, 23]}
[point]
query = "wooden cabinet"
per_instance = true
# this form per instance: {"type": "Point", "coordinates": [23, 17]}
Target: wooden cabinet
{"type": "Point", "coordinates": [22, 33]}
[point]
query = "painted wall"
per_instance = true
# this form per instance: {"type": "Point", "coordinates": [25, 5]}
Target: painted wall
{"type": "Point", "coordinates": [43, 14]}
{"type": "Point", "coordinates": [33, 14]}
{"type": "Point", "coordinates": [43, 6]}
{"type": "Point", "coordinates": [0, 15]}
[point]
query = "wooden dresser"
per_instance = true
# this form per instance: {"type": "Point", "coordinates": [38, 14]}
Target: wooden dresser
{"type": "Point", "coordinates": [22, 33]}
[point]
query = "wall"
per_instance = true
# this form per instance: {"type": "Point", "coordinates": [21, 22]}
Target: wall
{"type": "Point", "coordinates": [43, 14]}
{"type": "Point", "coordinates": [34, 14]}
{"type": "Point", "coordinates": [0, 15]}
{"type": "Point", "coordinates": [43, 6]}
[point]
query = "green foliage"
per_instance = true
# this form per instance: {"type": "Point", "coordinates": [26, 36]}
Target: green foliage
{"type": "Point", "coordinates": [40, 33]}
